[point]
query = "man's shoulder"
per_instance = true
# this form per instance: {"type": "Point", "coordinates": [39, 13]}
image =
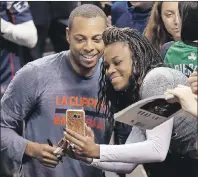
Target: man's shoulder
{"type": "Point", "coordinates": [50, 60]}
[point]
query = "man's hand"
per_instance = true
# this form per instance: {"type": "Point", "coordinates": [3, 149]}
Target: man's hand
{"type": "Point", "coordinates": [193, 79]}
{"type": "Point", "coordinates": [43, 153]}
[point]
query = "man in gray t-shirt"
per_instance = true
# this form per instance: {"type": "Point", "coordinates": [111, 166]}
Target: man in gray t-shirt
{"type": "Point", "coordinates": [43, 90]}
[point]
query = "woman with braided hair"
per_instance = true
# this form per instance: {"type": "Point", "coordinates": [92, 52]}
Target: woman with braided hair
{"type": "Point", "coordinates": [133, 70]}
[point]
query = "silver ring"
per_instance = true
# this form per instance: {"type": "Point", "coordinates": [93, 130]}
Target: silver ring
{"type": "Point", "coordinates": [57, 150]}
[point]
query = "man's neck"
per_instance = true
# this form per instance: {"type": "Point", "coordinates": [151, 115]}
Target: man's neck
{"type": "Point", "coordinates": [86, 72]}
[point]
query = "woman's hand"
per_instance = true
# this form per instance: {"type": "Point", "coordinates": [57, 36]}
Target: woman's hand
{"type": "Point", "coordinates": [187, 99]}
{"type": "Point", "coordinates": [83, 146]}
{"type": "Point", "coordinates": [193, 82]}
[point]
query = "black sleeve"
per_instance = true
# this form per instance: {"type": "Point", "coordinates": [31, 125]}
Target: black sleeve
{"type": "Point", "coordinates": [122, 132]}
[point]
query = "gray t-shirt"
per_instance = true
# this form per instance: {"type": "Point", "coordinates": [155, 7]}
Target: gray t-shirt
{"type": "Point", "coordinates": [40, 94]}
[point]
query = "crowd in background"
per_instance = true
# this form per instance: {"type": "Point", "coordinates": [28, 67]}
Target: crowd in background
{"type": "Point", "coordinates": [160, 34]}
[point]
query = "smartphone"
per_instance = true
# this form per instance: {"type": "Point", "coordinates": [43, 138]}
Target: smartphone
{"type": "Point", "coordinates": [75, 120]}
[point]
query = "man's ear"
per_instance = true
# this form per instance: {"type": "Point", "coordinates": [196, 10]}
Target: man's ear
{"type": "Point", "coordinates": [67, 35]}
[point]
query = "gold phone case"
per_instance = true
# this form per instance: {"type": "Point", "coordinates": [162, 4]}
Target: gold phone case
{"type": "Point", "coordinates": [75, 120]}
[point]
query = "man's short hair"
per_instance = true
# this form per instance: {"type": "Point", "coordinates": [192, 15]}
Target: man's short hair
{"type": "Point", "coordinates": [87, 11]}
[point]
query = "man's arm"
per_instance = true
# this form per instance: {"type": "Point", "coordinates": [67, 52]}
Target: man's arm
{"type": "Point", "coordinates": [16, 103]}
{"type": "Point", "coordinates": [20, 98]}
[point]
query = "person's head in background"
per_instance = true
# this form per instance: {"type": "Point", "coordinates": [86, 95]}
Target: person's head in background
{"type": "Point", "coordinates": [128, 56]}
{"type": "Point", "coordinates": [142, 4]}
{"type": "Point", "coordinates": [164, 24]}
{"type": "Point", "coordinates": [84, 34]}
{"type": "Point", "coordinates": [189, 20]}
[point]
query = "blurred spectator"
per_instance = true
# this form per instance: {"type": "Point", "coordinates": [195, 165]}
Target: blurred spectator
{"type": "Point", "coordinates": [17, 29]}
{"type": "Point", "coordinates": [163, 25]}
{"type": "Point", "coordinates": [185, 52]}
{"type": "Point", "coordinates": [132, 14]}
{"type": "Point", "coordinates": [177, 56]}
{"type": "Point", "coordinates": [51, 19]}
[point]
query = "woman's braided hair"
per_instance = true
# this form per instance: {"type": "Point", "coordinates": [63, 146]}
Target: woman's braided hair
{"type": "Point", "coordinates": [144, 56]}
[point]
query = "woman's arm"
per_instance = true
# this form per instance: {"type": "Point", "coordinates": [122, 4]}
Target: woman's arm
{"type": "Point", "coordinates": [154, 149]}
{"type": "Point", "coordinates": [117, 167]}
{"type": "Point", "coordinates": [135, 136]}
{"type": "Point", "coordinates": [126, 157]}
